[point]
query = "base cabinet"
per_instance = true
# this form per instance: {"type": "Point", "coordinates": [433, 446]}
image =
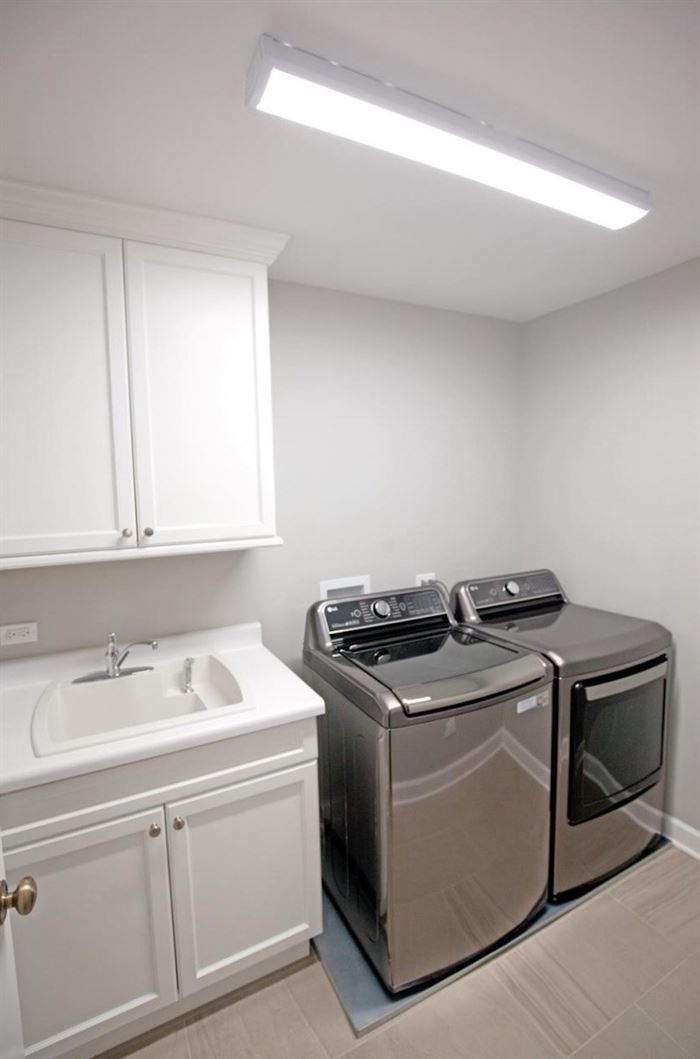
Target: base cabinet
{"type": "Point", "coordinates": [139, 912]}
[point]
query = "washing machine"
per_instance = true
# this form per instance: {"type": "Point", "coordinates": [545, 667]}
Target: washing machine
{"type": "Point", "coordinates": [612, 679]}
{"type": "Point", "coordinates": [435, 779]}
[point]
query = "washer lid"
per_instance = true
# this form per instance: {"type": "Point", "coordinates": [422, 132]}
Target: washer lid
{"type": "Point", "coordinates": [446, 669]}
{"type": "Point", "coordinates": [582, 639]}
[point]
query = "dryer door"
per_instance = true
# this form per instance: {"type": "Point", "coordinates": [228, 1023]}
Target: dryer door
{"type": "Point", "coordinates": [617, 738]}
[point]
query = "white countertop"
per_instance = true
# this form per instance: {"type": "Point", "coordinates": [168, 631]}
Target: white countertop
{"type": "Point", "coordinates": [272, 694]}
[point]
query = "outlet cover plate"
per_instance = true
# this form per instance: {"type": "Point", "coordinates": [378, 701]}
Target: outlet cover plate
{"type": "Point", "coordinates": [20, 633]}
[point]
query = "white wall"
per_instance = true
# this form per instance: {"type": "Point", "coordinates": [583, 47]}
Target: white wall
{"type": "Point", "coordinates": [608, 493]}
{"type": "Point", "coordinates": [377, 472]}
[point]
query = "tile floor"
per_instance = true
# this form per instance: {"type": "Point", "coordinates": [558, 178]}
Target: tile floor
{"type": "Point", "coordinates": [616, 978]}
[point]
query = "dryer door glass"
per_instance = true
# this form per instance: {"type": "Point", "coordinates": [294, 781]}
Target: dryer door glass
{"type": "Point", "coordinates": [617, 739]}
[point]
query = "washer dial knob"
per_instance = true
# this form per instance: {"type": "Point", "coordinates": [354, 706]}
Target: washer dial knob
{"type": "Point", "coordinates": [381, 609]}
{"type": "Point", "coordinates": [512, 588]}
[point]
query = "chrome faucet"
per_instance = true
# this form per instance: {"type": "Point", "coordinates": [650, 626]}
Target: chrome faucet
{"type": "Point", "coordinates": [114, 660]}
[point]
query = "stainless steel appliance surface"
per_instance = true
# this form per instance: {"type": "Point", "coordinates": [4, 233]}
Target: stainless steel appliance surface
{"type": "Point", "coordinates": [435, 779]}
{"type": "Point", "coordinates": [612, 677]}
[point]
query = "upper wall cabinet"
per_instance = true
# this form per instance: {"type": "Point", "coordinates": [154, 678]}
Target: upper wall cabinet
{"type": "Point", "coordinates": [135, 386]}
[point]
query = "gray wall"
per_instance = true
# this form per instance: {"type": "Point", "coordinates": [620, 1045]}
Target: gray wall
{"type": "Point", "coordinates": [377, 472]}
{"type": "Point", "coordinates": [610, 471]}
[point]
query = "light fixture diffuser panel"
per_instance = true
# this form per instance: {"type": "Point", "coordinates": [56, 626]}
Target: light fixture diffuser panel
{"type": "Point", "coordinates": [293, 84]}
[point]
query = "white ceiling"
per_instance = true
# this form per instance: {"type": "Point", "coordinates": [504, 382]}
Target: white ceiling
{"type": "Point", "coordinates": [142, 100]}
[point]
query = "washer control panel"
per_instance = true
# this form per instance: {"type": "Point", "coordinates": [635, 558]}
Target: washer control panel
{"type": "Point", "coordinates": [500, 591]}
{"type": "Point", "coordinates": [361, 612]}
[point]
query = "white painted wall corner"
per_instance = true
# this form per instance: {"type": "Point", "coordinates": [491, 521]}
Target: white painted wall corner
{"type": "Point", "coordinates": [683, 836]}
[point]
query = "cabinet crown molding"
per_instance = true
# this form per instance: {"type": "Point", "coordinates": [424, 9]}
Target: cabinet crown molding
{"type": "Point", "coordinates": [37, 204]}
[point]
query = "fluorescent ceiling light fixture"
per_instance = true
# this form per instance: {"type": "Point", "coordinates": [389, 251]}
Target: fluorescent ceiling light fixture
{"type": "Point", "coordinates": [304, 88]}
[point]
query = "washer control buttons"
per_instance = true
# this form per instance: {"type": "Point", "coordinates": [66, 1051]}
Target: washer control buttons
{"type": "Point", "coordinates": [381, 608]}
{"type": "Point", "coordinates": [512, 588]}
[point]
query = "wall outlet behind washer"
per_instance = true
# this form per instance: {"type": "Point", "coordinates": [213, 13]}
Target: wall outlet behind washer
{"type": "Point", "coordinates": [21, 632]}
{"type": "Point", "coordinates": [424, 579]}
{"type": "Point", "coordinates": [337, 587]}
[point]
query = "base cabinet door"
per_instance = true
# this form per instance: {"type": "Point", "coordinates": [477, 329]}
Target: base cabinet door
{"type": "Point", "coordinates": [245, 873]}
{"type": "Point", "coordinates": [97, 950]}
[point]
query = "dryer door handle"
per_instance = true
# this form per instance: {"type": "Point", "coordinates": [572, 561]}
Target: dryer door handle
{"type": "Point", "coordinates": [635, 680]}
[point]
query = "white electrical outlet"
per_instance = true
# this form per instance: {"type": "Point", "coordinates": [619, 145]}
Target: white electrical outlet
{"type": "Point", "coordinates": [424, 579]}
{"type": "Point", "coordinates": [22, 632]}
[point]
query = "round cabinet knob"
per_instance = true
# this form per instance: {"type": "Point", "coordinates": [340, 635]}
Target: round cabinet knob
{"type": "Point", "coordinates": [22, 898]}
{"type": "Point", "coordinates": [512, 588]}
{"type": "Point", "coordinates": [148, 531]}
{"type": "Point", "coordinates": [154, 830]}
{"type": "Point", "coordinates": [178, 823]}
{"type": "Point", "coordinates": [127, 533]}
{"type": "Point", "coordinates": [381, 608]}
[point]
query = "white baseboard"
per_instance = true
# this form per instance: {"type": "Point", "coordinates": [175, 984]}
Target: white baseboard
{"type": "Point", "coordinates": [683, 835]}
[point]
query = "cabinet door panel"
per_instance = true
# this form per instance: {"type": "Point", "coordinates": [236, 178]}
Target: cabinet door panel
{"type": "Point", "coordinates": [199, 352]}
{"type": "Point", "coordinates": [97, 950]}
{"type": "Point", "coordinates": [245, 872]}
{"type": "Point", "coordinates": [65, 471]}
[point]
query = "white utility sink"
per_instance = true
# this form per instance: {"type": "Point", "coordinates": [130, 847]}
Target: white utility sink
{"type": "Point", "coordinates": [71, 716]}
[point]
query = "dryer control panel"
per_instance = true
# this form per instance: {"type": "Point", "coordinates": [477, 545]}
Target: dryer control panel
{"type": "Point", "coordinates": [482, 595]}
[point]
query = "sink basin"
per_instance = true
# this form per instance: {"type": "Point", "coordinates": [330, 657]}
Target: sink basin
{"type": "Point", "coordinates": [70, 716]}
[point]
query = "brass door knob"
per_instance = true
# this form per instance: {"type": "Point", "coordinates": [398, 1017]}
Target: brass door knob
{"type": "Point", "coordinates": [22, 898]}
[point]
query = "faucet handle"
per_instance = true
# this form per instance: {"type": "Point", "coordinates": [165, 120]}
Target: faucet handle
{"type": "Point", "coordinates": [187, 688]}
{"type": "Point", "coordinates": [111, 652]}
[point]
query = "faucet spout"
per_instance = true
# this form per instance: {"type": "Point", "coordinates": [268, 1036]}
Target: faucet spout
{"type": "Point", "coordinates": [153, 644]}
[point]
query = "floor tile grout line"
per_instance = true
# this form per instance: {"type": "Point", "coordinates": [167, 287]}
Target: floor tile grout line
{"type": "Point", "coordinates": [304, 1019]}
{"type": "Point", "coordinates": [680, 892]}
{"type": "Point", "coordinates": [645, 869]}
{"type": "Point", "coordinates": [540, 1031]}
{"type": "Point", "coordinates": [651, 926]}
{"type": "Point", "coordinates": [603, 1029]}
{"type": "Point", "coordinates": [540, 1028]}
{"type": "Point", "coordinates": [686, 958]}
{"type": "Point", "coordinates": [374, 1030]}
{"type": "Point", "coordinates": [663, 1030]}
